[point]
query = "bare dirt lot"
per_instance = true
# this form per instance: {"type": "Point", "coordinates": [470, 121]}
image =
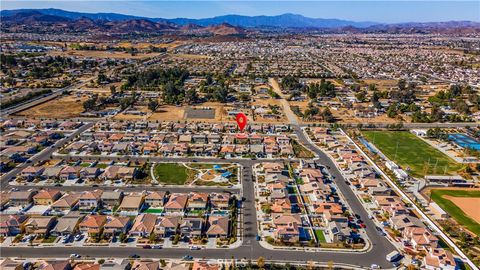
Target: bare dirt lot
{"type": "Point", "coordinates": [146, 45]}
{"type": "Point", "coordinates": [62, 107]}
{"type": "Point", "coordinates": [468, 205]}
{"type": "Point", "coordinates": [103, 54]}
{"type": "Point", "coordinates": [167, 113]}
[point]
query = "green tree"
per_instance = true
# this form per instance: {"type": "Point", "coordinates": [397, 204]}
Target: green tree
{"type": "Point", "coordinates": [153, 105]}
{"type": "Point", "coordinates": [261, 262]}
{"type": "Point", "coordinates": [191, 96]}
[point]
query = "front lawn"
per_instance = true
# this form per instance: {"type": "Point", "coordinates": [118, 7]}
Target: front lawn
{"type": "Point", "coordinates": [320, 236]}
{"type": "Point", "coordinates": [411, 152]}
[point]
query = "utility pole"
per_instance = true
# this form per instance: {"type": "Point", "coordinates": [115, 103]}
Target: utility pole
{"type": "Point", "coordinates": [396, 149]}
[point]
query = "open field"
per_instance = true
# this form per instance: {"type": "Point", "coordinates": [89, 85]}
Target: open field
{"type": "Point", "coordinates": [190, 56]}
{"type": "Point", "coordinates": [465, 212]}
{"type": "Point", "coordinates": [381, 84]}
{"type": "Point", "coordinates": [412, 153]}
{"type": "Point", "coordinates": [167, 113]}
{"type": "Point", "coordinates": [348, 116]}
{"type": "Point", "coordinates": [146, 45]}
{"type": "Point", "coordinates": [103, 54]}
{"type": "Point", "coordinates": [129, 116]}
{"type": "Point", "coordinates": [62, 107]}
{"type": "Point", "coordinates": [171, 174]}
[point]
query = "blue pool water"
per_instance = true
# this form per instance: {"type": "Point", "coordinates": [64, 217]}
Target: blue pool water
{"type": "Point", "coordinates": [464, 141]}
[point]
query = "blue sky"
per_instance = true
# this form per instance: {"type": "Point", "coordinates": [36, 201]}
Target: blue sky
{"type": "Point", "coordinates": [387, 11]}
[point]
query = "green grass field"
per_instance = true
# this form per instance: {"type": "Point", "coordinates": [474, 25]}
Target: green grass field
{"type": "Point", "coordinates": [412, 153]}
{"type": "Point", "coordinates": [154, 210]}
{"type": "Point", "coordinates": [170, 173]}
{"type": "Point", "coordinates": [453, 210]}
{"type": "Point", "coordinates": [320, 236]}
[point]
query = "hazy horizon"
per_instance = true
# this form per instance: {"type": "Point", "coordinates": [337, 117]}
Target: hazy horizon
{"type": "Point", "coordinates": [373, 11]}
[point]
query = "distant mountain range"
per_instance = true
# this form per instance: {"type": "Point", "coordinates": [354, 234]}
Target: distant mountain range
{"type": "Point", "coordinates": [221, 25]}
{"type": "Point", "coordinates": [287, 20]}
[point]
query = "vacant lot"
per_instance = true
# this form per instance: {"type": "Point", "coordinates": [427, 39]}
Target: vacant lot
{"type": "Point", "coordinates": [103, 54]}
{"type": "Point", "coordinates": [61, 107]}
{"type": "Point", "coordinates": [454, 203]}
{"type": "Point", "coordinates": [412, 153]}
{"type": "Point", "coordinates": [167, 113]}
{"type": "Point", "coordinates": [171, 174]}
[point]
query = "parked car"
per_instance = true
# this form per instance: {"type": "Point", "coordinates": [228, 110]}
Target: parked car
{"type": "Point", "coordinates": [187, 258]}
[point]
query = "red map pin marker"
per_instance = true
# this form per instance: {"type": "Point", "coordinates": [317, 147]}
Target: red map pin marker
{"type": "Point", "coordinates": [241, 121]}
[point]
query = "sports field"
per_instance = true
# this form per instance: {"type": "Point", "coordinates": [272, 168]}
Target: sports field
{"type": "Point", "coordinates": [455, 203]}
{"type": "Point", "coordinates": [410, 152]}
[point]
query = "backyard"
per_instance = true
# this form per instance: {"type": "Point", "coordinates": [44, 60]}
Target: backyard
{"type": "Point", "coordinates": [413, 154]}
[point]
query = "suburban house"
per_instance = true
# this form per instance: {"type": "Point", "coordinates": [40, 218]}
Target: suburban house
{"type": "Point", "coordinates": [131, 204]}
{"type": "Point", "coordinates": [21, 198]}
{"type": "Point", "coordinates": [70, 172]}
{"type": "Point", "coordinates": [119, 172]}
{"type": "Point", "coordinates": [419, 238]}
{"type": "Point", "coordinates": [191, 227]}
{"type": "Point", "coordinates": [287, 232]}
{"type": "Point", "coordinates": [66, 225]}
{"type": "Point", "coordinates": [66, 203]}
{"type": "Point", "coordinates": [197, 201]}
{"type": "Point", "coordinates": [218, 227]}
{"type": "Point", "coordinates": [176, 203]}
{"type": "Point", "coordinates": [116, 225]}
{"type": "Point", "coordinates": [90, 200]}
{"type": "Point", "coordinates": [220, 200]}
{"type": "Point", "coordinates": [31, 172]}
{"type": "Point", "coordinates": [155, 199]}
{"type": "Point", "coordinates": [167, 226]}
{"type": "Point", "coordinates": [111, 199]}
{"type": "Point", "coordinates": [39, 225]}
{"type": "Point", "coordinates": [92, 224]}
{"type": "Point", "coordinates": [11, 225]}
{"type": "Point", "coordinates": [337, 231]}
{"type": "Point", "coordinates": [46, 196]}
{"type": "Point", "coordinates": [439, 259]}
{"type": "Point", "coordinates": [143, 225]}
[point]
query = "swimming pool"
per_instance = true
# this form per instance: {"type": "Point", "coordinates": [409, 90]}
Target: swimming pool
{"type": "Point", "coordinates": [464, 141]}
